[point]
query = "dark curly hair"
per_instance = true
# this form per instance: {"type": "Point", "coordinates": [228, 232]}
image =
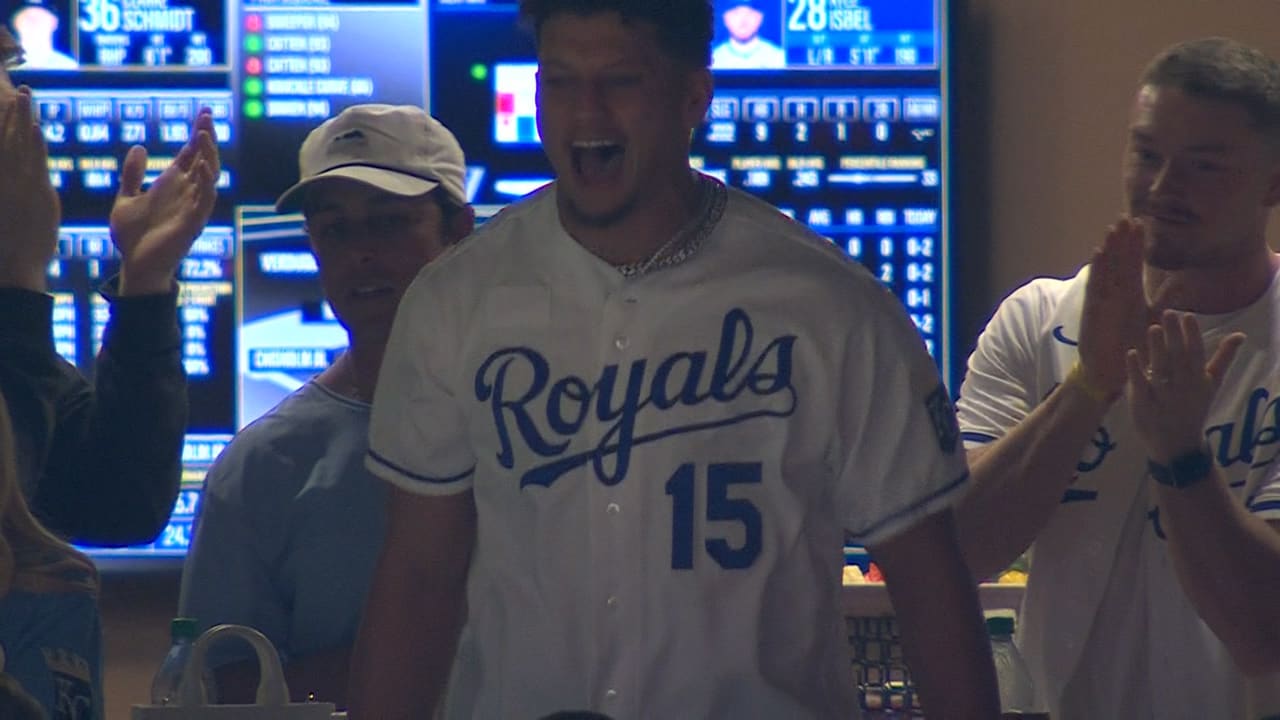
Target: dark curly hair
{"type": "Point", "coordinates": [684, 26]}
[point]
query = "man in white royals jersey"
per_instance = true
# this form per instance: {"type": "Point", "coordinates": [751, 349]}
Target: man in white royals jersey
{"type": "Point", "coordinates": [1125, 423]}
{"type": "Point", "coordinates": [650, 410]}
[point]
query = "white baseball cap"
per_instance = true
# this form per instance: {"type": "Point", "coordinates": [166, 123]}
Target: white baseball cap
{"type": "Point", "coordinates": [399, 149]}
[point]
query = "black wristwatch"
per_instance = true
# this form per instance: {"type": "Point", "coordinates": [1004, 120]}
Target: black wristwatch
{"type": "Point", "coordinates": [1183, 471]}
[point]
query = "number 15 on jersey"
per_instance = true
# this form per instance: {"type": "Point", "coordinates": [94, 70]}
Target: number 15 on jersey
{"type": "Point", "coordinates": [720, 479]}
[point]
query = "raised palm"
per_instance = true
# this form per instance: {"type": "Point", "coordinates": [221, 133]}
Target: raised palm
{"type": "Point", "coordinates": [29, 207]}
{"type": "Point", "coordinates": [1171, 390]}
{"type": "Point", "coordinates": [1115, 313]}
{"type": "Point", "coordinates": [154, 229]}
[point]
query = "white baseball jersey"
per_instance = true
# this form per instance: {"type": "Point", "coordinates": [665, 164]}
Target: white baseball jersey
{"type": "Point", "coordinates": [1105, 625]}
{"type": "Point", "coordinates": [664, 467]}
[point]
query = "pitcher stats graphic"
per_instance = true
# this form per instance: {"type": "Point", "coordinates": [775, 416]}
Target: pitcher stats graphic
{"type": "Point", "coordinates": [178, 34]}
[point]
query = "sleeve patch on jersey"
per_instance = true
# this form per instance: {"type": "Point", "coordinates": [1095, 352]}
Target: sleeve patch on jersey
{"type": "Point", "coordinates": [943, 417]}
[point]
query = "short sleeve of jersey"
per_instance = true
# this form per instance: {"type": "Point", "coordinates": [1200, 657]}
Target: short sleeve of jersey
{"type": "Point", "coordinates": [903, 459]}
{"type": "Point", "coordinates": [1265, 503]}
{"type": "Point", "coordinates": [417, 433]}
{"type": "Point", "coordinates": [997, 392]}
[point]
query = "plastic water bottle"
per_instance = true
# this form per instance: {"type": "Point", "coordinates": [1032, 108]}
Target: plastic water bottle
{"type": "Point", "coordinates": [166, 686]}
{"type": "Point", "coordinates": [1017, 692]}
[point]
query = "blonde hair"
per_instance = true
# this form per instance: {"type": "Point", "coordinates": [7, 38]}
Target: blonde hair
{"type": "Point", "coordinates": [31, 557]}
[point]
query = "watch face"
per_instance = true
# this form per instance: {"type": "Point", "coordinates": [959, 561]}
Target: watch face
{"type": "Point", "coordinates": [1183, 470]}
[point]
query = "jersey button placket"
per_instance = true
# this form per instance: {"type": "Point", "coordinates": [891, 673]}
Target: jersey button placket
{"type": "Point", "coordinates": [612, 510]}
{"type": "Point", "coordinates": [609, 500]}
{"type": "Point", "coordinates": [610, 614]}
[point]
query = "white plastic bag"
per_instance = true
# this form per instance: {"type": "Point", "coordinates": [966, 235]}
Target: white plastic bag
{"type": "Point", "coordinates": [272, 702]}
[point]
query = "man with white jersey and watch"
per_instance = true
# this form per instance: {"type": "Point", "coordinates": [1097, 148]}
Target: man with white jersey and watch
{"type": "Point", "coordinates": [1124, 423]}
{"type": "Point", "coordinates": [650, 410]}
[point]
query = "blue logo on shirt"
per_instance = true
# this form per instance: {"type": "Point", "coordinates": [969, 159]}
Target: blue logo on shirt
{"type": "Point", "coordinates": [1061, 337]}
{"type": "Point", "coordinates": [1259, 428]}
{"type": "Point", "coordinates": [517, 384]}
{"type": "Point", "coordinates": [1252, 439]}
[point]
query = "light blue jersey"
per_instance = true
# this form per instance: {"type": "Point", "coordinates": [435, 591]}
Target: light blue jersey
{"type": "Point", "coordinates": [289, 528]}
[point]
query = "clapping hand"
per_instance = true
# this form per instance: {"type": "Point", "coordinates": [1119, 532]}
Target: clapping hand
{"type": "Point", "coordinates": [154, 229]}
{"type": "Point", "coordinates": [1115, 307]}
{"type": "Point", "coordinates": [29, 207]}
{"type": "Point", "coordinates": [1170, 393]}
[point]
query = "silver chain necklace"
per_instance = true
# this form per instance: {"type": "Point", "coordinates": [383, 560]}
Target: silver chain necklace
{"type": "Point", "coordinates": [689, 238]}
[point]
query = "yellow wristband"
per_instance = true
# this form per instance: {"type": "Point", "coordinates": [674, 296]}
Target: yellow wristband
{"type": "Point", "coordinates": [1077, 378]}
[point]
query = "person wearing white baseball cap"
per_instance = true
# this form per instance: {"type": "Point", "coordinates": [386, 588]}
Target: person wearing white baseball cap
{"type": "Point", "coordinates": [398, 149]}
{"type": "Point", "coordinates": [290, 522]}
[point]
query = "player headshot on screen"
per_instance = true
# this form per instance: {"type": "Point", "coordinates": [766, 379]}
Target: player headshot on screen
{"type": "Point", "coordinates": [745, 49]}
{"type": "Point", "coordinates": [36, 23]}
